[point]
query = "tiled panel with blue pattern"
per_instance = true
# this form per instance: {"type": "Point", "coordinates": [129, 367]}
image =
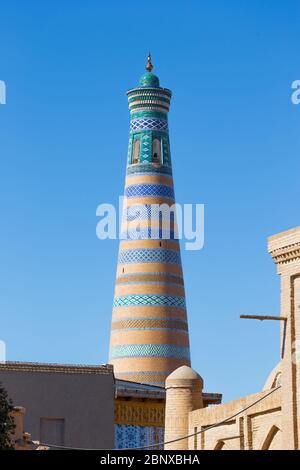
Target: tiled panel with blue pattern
{"type": "Point", "coordinates": [150, 350]}
{"type": "Point", "coordinates": [149, 234]}
{"type": "Point", "coordinates": [132, 437]}
{"type": "Point", "coordinates": [149, 190]}
{"type": "Point", "coordinates": [148, 169]}
{"type": "Point", "coordinates": [149, 255]}
{"type": "Point", "coordinates": [147, 212]}
{"type": "Point", "coordinates": [150, 300]}
{"type": "Point", "coordinates": [150, 124]}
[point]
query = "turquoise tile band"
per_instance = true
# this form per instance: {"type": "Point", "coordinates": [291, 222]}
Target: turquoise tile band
{"type": "Point", "coordinates": [149, 300]}
{"type": "Point", "coordinates": [150, 350]}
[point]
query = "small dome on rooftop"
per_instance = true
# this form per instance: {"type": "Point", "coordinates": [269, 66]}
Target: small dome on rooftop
{"type": "Point", "coordinates": [274, 378]}
{"type": "Point", "coordinates": [184, 373]}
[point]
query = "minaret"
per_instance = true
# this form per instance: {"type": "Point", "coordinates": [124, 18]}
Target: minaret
{"type": "Point", "coordinates": [149, 333]}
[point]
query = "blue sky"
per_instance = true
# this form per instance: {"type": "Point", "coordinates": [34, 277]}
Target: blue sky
{"type": "Point", "coordinates": [63, 141]}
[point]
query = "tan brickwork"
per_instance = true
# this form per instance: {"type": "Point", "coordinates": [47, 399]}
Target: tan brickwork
{"type": "Point", "coordinates": [270, 419]}
{"type": "Point", "coordinates": [184, 394]}
{"type": "Point", "coordinates": [146, 363]}
{"type": "Point", "coordinates": [285, 250]}
{"type": "Point", "coordinates": [247, 431]}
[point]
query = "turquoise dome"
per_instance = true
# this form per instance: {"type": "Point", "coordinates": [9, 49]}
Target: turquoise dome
{"type": "Point", "coordinates": [149, 80]}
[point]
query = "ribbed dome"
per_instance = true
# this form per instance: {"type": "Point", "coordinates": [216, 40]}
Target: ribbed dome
{"type": "Point", "coordinates": [149, 80]}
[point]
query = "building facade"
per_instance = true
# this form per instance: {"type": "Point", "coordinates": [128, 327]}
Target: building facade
{"type": "Point", "coordinates": [66, 405]}
{"type": "Point", "coordinates": [140, 414]}
{"type": "Point", "coordinates": [149, 332]}
{"type": "Point", "coordinates": [267, 420]}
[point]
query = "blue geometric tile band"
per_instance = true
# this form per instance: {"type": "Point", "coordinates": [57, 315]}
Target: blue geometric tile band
{"type": "Point", "coordinates": [150, 350]}
{"type": "Point", "coordinates": [149, 234]}
{"type": "Point", "coordinates": [149, 255]}
{"type": "Point", "coordinates": [149, 300]}
{"type": "Point", "coordinates": [183, 323]}
{"type": "Point", "coordinates": [149, 190]}
{"type": "Point", "coordinates": [148, 212]}
{"type": "Point", "coordinates": [148, 169]}
{"type": "Point", "coordinates": [148, 124]}
{"type": "Point", "coordinates": [140, 212]}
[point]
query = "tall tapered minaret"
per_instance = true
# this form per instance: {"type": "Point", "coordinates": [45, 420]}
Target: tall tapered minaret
{"type": "Point", "coordinates": [149, 333]}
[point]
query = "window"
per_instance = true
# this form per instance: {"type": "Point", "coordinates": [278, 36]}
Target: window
{"type": "Point", "coordinates": [136, 151]}
{"type": "Point", "coordinates": [156, 151]}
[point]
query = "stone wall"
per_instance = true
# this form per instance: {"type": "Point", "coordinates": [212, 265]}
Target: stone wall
{"type": "Point", "coordinates": [253, 429]}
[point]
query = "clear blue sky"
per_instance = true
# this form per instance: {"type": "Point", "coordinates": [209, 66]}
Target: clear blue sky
{"type": "Point", "coordinates": [63, 142]}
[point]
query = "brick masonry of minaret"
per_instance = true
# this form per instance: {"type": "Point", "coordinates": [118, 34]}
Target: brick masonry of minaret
{"type": "Point", "coordinates": [149, 333]}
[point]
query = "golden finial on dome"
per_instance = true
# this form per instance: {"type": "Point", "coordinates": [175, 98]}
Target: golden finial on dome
{"type": "Point", "coordinates": [149, 65]}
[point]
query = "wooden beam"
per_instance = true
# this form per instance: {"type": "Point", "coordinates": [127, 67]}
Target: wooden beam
{"type": "Point", "coordinates": [262, 317]}
{"type": "Point", "coordinates": [230, 437]}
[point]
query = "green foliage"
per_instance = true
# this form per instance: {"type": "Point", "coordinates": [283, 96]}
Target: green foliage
{"type": "Point", "coordinates": [7, 424]}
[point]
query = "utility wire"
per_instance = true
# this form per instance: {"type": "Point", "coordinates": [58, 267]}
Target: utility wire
{"type": "Point", "coordinates": [208, 427]}
{"type": "Point", "coordinates": [160, 444]}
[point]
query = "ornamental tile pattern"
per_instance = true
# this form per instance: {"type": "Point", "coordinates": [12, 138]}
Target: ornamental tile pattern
{"type": "Point", "coordinates": [149, 255]}
{"type": "Point", "coordinates": [149, 169]}
{"type": "Point", "coordinates": [127, 436]}
{"type": "Point", "coordinates": [149, 190]}
{"type": "Point", "coordinates": [166, 151]}
{"type": "Point", "coordinates": [147, 212]}
{"type": "Point", "coordinates": [146, 148]}
{"type": "Point", "coordinates": [148, 234]}
{"type": "Point", "coordinates": [148, 124]}
{"type": "Point", "coordinates": [149, 300]}
{"type": "Point", "coordinates": [150, 350]}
